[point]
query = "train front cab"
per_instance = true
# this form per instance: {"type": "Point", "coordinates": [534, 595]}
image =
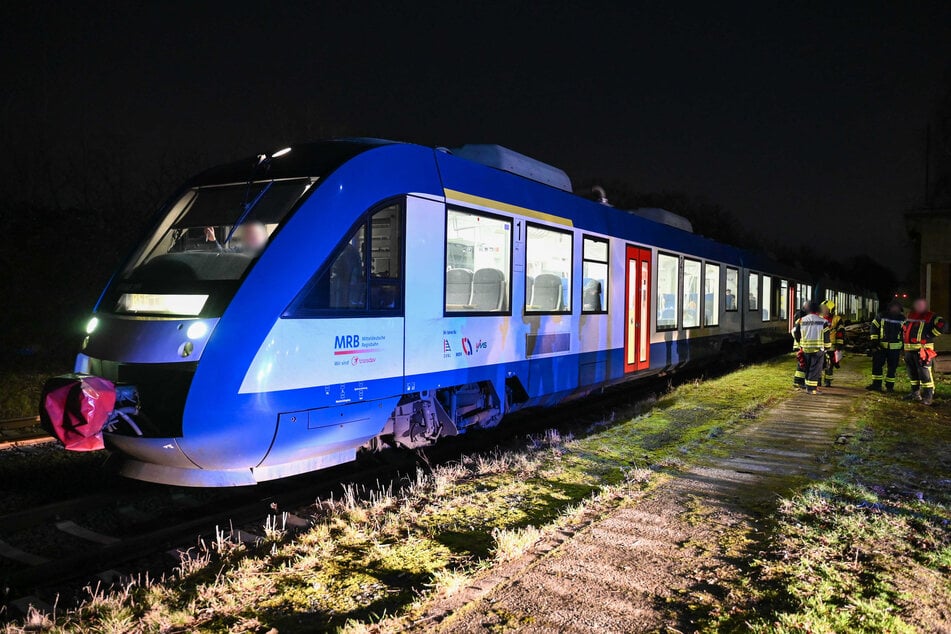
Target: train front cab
{"type": "Point", "coordinates": [271, 385]}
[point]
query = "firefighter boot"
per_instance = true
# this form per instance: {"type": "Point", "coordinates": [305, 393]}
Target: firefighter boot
{"type": "Point", "coordinates": [890, 386]}
{"type": "Point", "coordinates": [927, 396]}
{"type": "Point", "coordinates": [876, 386]}
{"type": "Point", "coordinates": [828, 382]}
{"type": "Point", "coordinates": [912, 396]}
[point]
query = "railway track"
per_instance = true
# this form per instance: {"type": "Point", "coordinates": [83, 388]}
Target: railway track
{"type": "Point", "coordinates": [21, 432]}
{"type": "Point", "coordinates": [77, 546]}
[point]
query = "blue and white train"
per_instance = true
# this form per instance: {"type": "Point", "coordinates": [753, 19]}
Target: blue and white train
{"type": "Point", "coordinates": [288, 311]}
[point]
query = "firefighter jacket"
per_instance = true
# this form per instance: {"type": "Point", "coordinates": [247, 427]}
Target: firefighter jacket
{"type": "Point", "coordinates": [885, 330]}
{"type": "Point", "coordinates": [920, 329]}
{"type": "Point", "coordinates": [836, 332]}
{"type": "Point", "coordinates": [812, 333]}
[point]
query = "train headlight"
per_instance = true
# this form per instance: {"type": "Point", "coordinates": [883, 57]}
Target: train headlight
{"type": "Point", "coordinates": [91, 325]}
{"type": "Point", "coordinates": [197, 330]}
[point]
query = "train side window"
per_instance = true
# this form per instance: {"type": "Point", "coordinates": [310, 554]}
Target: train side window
{"type": "Point", "coordinates": [478, 262]}
{"type": "Point", "coordinates": [783, 308]}
{"type": "Point", "coordinates": [594, 270]}
{"type": "Point", "coordinates": [711, 294]}
{"type": "Point", "coordinates": [365, 271]}
{"type": "Point", "coordinates": [667, 277]}
{"type": "Point", "coordinates": [385, 261]}
{"type": "Point", "coordinates": [767, 297]}
{"type": "Point", "coordinates": [548, 261]}
{"type": "Point", "coordinates": [753, 292]}
{"type": "Point", "coordinates": [691, 293]}
{"type": "Point", "coordinates": [730, 302]}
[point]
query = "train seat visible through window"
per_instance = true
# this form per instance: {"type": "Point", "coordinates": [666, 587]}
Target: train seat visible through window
{"type": "Point", "coordinates": [488, 290]}
{"type": "Point", "coordinates": [591, 295]}
{"type": "Point", "coordinates": [458, 287]}
{"type": "Point", "coordinates": [547, 293]}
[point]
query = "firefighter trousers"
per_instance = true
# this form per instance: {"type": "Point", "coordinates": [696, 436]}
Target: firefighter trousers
{"type": "Point", "coordinates": [814, 369]}
{"type": "Point", "coordinates": [829, 366]}
{"type": "Point", "coordinates": [919, 372]}
{"type": "Point", "coordinates": [799, 376]}
{"type": "Point", "coordinates": [883, 358]}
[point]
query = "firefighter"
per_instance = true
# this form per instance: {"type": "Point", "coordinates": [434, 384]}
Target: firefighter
{"type": "Point", "coordinates": [833, 353]}
{"type": "Point", "coordinates": [799, 376]}
{"type": "Point", "coordinates": [918, 334]}
{"type": "Point", "coordinates": [812, 333]}
{"type": "Point", "coordinates": [885, 334]}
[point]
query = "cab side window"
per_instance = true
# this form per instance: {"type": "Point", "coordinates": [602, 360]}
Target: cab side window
{"type": "Point", "coordinates": [364, 273]}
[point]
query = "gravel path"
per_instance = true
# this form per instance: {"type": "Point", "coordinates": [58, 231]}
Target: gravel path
{"type": "Point", "coordinates": [638, 568]}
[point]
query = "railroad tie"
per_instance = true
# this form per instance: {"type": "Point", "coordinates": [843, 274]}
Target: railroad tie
{"type": "Point", "coordinates": [72, 528]}
{"type": "Point", "coordinates": [23, 604]}
{"type": "Point", "coordinates": [14, 553]}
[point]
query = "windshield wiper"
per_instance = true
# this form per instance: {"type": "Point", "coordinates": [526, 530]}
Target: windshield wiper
{"type": "Point", "coordinates": [247, 210]}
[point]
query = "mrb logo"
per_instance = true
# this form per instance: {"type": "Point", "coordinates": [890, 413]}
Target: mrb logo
{"type": "Point", "coordinates": [346, 342]}
{"type": "Point", "coordinates": [470, 349]}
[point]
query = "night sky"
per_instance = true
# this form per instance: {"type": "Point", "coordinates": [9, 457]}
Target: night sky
{"type": "Point", "coordinates": [786, 117]}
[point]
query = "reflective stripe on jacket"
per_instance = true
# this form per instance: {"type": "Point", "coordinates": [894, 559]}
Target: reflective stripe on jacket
{"type": "Point", "coordinates": [920, 329]}
{"type": "Point", "coordinates": [812, 333]}
{"type": "Point", "coordinates": [887, 331]}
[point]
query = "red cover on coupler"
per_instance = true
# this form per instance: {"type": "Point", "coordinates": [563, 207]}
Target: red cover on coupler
{"type": "Point", "coordinates": [75, 407]}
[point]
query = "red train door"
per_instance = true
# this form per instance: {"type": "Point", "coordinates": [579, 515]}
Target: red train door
{"type": "Point", "coordinates": [792, 306]}
{"type": "Point", "coordinates": [637, 309]}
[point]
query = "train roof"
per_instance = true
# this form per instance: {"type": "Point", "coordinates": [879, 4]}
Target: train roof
{"type": "Point", "coordinates": [496, 173]}
{"type": "Point", "coordinates": [305, 159]}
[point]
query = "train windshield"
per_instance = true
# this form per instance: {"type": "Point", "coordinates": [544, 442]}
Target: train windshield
{"type": "Point", "coordinates": [214, 233]}
{"type": "Point", "coordinates": [207, 241]}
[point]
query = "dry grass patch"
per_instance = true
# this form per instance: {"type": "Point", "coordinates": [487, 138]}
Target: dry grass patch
{"type": "Point", "coordinates": [512, 543]}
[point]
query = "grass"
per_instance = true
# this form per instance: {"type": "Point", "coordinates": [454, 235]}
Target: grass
{"type": "Point", "coordinates": [373, 554]}
{"type": "Point", "coordinates": [869, 548]}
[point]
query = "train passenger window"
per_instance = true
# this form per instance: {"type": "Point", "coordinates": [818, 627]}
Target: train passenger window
{"type": "Point", "coordinates": [730, 301]}
{"type": "Point", "coordinates": [594, 270]}
{"type": "Point", "coordinates": [691, 293]}
{"type": "Point", "coordinates": [753, 292]}
{"type": "Point", "coordinates": [478, 262]}
{"type": "Point", "coordinates": [548, 261]}
{"type": "Point", "coordinates": [783, 306]}
{"type": "Point", "coordinates": [767, 297]}
{"type": "Point", "coordinates": [667, 274]}
{"type": "Point", "coordinates": [364, 274]}
{"type": "Point", "coordinates": [711, 294]}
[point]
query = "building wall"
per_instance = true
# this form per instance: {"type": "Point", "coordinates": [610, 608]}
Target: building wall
{"type": "Point", "coordinates": [932, 228]}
